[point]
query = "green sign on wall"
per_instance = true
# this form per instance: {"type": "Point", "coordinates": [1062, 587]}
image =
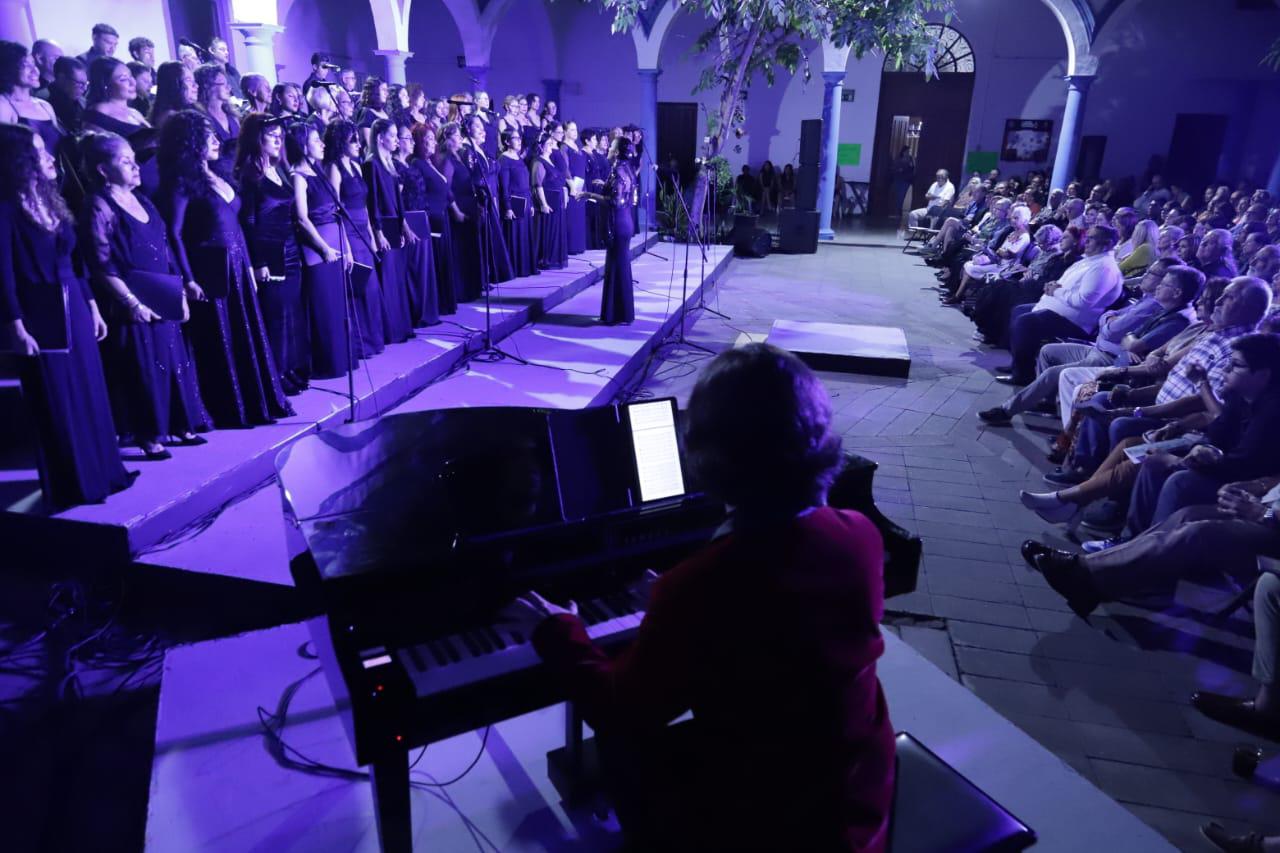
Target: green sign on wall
{"type": "Point", "coordinates": [849, 154]}
{"type": "Point", "coordinates": [981, 161]}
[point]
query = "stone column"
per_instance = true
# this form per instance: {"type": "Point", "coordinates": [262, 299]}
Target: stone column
{"type": "Point", "coordinates": [833, 90]}
{"type": "Point", "coordinates": [480, 80]}
{"type": "Point", "coordinates": [551, 92]}
{"type": "Point", "coordinates": [1064, 163]}
{"type": "Point", "coordinates": [649, 124]}
{"type": "Point", "coordinates": [259, 49]}
{"type": "Point", "coordinates": [395, 64]}
{"type": "Point", "coordinates": [15, 21]}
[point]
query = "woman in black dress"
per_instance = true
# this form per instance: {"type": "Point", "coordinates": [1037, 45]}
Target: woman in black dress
{"type": "Point", "coordinates": [270, 229]}
{"type": "Point", "coordinates": [175, 90]}
{"type": "Point", "coordinates": [768, 187]}
{"type": "Point", "coordinates": [604, 214]}
{"type": "Point", "coordinates": [548, 189]}
{"type": "Point", "coordinates": [484, 175]}
{"type": "Point", "coordinates": [419, 256]}
{"type": "Point", "coordinates": [238, 377]}
{"type": "Point", "coordinates": [214, 96]}
{"type": "Point", "coordinates": [373, 106]}
{"type": "Point", "coordinates": [516, 206]}
{"type": "Point", "coordinates": [468, 250]}
{"type": "Point", "coordinates": [154, 392]}
{"type": "Point", "coordinates": [323, 279]}
{"type": "Point", "coordinates": [590, 206]}
{"type": "Point", "coordinates": [617, 303]}
{"type": "Point", "coordinates": [111, 88]}
{"type": "Point", "coordinates": [575, 214]}
{"type": "Point", "coordinates": [19, 78]}
{"type": "Point", "coordinates": [390, 235]}
{"type": "Point", "coordinates": [286, 101]}
{"type": "Point", "coordinates": [65, 392]}
{"type": "Point", "coordinates": [342, 156]}
{"type": "Point", "coordinates": [532, 122]}
{"type": "Point", "coordinates": [441, 213]}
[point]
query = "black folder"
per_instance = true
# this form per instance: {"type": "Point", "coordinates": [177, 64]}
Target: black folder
{"type": "Point", "coordinates": [519, 206]}
{"type": "Point", "coordinates": [44, 316]}
{"type": "Point", "coordinates": [360, 277]}
{"type": "Point", "coordinates": [160, 292]}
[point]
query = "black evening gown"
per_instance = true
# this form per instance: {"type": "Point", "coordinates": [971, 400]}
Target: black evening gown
{"type": "Point", "coordinates": [324, 287]}
{"type": "Point", "coordinates": [270, 225]}
{"type": "Point", "coordinates": [423, 305]}
{"type": "Point", "coordinates": [468, 251]}
{"type": "Point", "coordinates": [617, 303]}
{"type": "Point", "coordinates": [553, 249]}
{"type": "Point", "coordinates": [484, 172]}
{"type": "Point", "coordinates": [603, 212]}
{"type": "Point", "coordinates": [590, 206]}
{"type": "Point", "coordinates": [575, 213]}
{"type": "Point", "coordinates": [238, 377]}
{"type": "Point", "coordinates": [367, 318]}
{"type": "Point", "coordinates": [439, 198]}
{"type": "Point", "coordinates": [386, 212]}
{"type": "Point", "coordinates": [142, 138]}
{"type": "Point", "coordinates": [65, 392]}
{"type": "Point", "coordinates": [513, 182]}
{"type": "Point", "coordinates": [151, 380]}
{"type": "Point", "coordinates": [225, 165]}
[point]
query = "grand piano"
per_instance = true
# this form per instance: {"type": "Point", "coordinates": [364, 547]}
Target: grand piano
{"type": "Point", "coordinates": [409, 533]}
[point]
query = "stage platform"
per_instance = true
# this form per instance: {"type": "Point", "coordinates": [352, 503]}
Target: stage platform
{"type": "Point", "coordinates": [216, 786]}
{"type": "Point", "coordinates": [191, 490]}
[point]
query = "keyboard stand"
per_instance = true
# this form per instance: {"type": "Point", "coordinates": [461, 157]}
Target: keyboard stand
{"type": "Point", "coordinates": [574, 769]}
{"type": "Point", "coordinates": [390, 778]}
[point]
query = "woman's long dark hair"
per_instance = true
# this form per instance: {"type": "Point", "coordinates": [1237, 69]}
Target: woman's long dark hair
{"type": "Point", "coordinates": [337, 136]}
{"type": "Point", "coordinates": [21, 180]}
{"type": "Point", "coordinates": [249, 147]}
{"type": "Point", "coordinates": [369, 95]}
{"type": "Point", "coordinates": [100, 71]}
{"type": "Point", "coordinates": [11, 56]}
{"type": "Point", "coordinates": [276, 107]}
{"type": "Point", "coordinates": [296, 135]}
{"type": "Point", "coordinates": [168, 91]}
{"type": "Point", "coordinates": [184, 137]}
{"type": "Point", "coordinates": [97, 149]}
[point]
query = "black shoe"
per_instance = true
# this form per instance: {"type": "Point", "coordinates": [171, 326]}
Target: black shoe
{"type": "Point", "coordinates": [1032, 548]}
{"type": "Point", "coordinates": [998, 416]}
{"type": "Point", "coordinates": [156, 455]}
{"type": "Point", "coordinates": [1069, 579]}
{"type": "Point", "coordinates": [1063, 476]}
{"type": "Point", "coordinates": [193, 441]}
{"type": "Point", "coordinates": [1225, 841]}
{"type": "Point", "coordinates": [1237, 713]}
{"type": "Point", "coordinates": [1107, 515]}
{"type": "Point", "coordinates": [1009, 379]}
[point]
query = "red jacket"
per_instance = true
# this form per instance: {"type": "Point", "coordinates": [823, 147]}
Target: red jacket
{"type": "Point", "coordinates": [770, 638]}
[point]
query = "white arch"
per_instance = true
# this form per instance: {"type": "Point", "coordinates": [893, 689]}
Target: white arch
{"type": "Point", "coordinates": [649, 47]}
{"type": "Point", "coordinates": [1079, 35]}
{"type": "Point", "coordinates": [391, 23]}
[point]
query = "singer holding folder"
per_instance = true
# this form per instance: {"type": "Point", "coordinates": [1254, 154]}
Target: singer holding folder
{"type": "Point", "coordinates": [154, 393]}
{"type": "Point", "coordinates": [513, 204]}
{"type": "Point", "coordinates": [64, 391]}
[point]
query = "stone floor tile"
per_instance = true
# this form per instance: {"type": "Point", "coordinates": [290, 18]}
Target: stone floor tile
{"type": "Point", "coordinates": [957, 462]}
{"type": "Point", "coordinates": [916, 473]}
{"type": "Point", "coordinates": [966, 550]}
{"type": "Point", "coordinates": [1141, 715]}
{"type": "Point", "coordinates": [955, 517]}
{"type": "Point", "coordinates": [996, 637]}
{"type": "Point", "coordinates": [933, 530]}
{"type": "Point", "coordinates": [1015, 697]}
{"type": "Point", "coordinates": [1150, 786]}
{"type": "Point", "coordinates": [977, 570]}
{"type": "Point", "coordinates": [1009, 666]}
{"type": "Point", "coordinates": [1009, 615]}
{"type": "Point", "coordinates": [940, 583]}
{"type": "Point", "coordinates": [935, 645]}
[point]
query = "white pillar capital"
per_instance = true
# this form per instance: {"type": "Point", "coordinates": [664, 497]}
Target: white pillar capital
{"type": "Point", "coordinates": [259, 48]}
{"type": "Point", "coordinates": [395, 64]}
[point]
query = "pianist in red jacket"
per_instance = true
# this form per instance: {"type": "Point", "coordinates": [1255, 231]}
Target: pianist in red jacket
{"type": "Point", "coordinates": [769, 635]}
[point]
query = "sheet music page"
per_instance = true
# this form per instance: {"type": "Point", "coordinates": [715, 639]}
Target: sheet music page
{"type": "Point", "coordinates": [653, 438]}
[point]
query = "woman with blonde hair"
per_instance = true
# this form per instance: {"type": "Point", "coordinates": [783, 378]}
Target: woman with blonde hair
{"type": "Point", "coordinates": [1009, 253]}
{"type": "Point", "coordinates": [1146, 235]}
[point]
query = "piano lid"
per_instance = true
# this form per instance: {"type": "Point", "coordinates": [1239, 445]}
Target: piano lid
{"type": "Point", "coordinates": [404, 492]}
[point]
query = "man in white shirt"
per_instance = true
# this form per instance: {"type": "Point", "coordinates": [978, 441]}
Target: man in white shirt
{"type": "Point", "coordinates": [1070, 306]}
{"type": "Point", "coordinates": [936, 199]}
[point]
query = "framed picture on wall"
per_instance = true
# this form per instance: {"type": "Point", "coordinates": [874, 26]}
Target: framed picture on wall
{"type": "Point", "coordinates": [1026, 140]}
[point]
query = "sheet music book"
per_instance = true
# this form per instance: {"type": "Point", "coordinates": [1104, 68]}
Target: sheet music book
{"type": "Point", "coordinates": [160, 292]}
{"type": "Point", "coordinates": [1141, 451]}
{"type": "Point", "coordinates": [519, 206]}
{"type": "Point", "coordinates": [44, 315]}
{"type": "Point", "coordinates": [360, 276]}
{"type": "Point", "coordinates": [576, 185]}
{"type": "Point", "coordinates": [656, 449]}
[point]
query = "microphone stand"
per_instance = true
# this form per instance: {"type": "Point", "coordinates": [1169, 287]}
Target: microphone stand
{"type": "Point", "coordinates": [489, 352]}
{"type": "Point", "coordinates": [651, 175]}
{"type": "Point", "coordinates": [703, 242]}
{"type": "Point", "coordinates": [684, 286]}
{"type": "Point", "coordinates": [348, 289]}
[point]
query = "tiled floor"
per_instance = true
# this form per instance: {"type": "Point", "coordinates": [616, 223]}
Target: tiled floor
{"type": "Point", "coordinates": [1110, 698]}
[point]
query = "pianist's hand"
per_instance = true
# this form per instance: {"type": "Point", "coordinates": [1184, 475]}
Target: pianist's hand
{"type": "Point", "coordinates": [524, 614]}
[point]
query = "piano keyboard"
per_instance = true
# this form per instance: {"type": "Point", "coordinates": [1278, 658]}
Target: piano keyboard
{"type": "Point", "coordinates": [481, 654]}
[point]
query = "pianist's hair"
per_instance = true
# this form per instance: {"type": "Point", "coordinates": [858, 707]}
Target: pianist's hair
{"type": "Point", "coordinates": [759, 430]}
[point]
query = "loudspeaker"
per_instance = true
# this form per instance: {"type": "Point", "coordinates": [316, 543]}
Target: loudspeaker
{"type": "Point", "coordinates": [743, 225]}
{"type": "Point", "coordinates": [810, 142]}
{"type": "Point", "coordinates": [807, 187]}
{"type": "Point", "coordinates": [756, 243]}
{"type": "Point", "coordinates": [798, 232]}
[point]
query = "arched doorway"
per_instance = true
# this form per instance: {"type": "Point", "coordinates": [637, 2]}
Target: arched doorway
{"type": "Point", "coordinates": [927, 115]}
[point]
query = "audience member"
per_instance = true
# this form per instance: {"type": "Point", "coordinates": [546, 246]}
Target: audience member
{"type": "Point", "coordinates": [937, 199]}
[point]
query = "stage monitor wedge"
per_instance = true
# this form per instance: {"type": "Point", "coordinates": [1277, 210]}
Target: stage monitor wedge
{"type": "Point", "coordinates": [797, 231]}
{"type": "Point", "coordinates": [844, 348]}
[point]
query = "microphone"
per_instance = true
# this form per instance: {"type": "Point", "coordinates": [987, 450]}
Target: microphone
{"type": "Point", "coordinates": [330, 66]}
{"type": "Point", "coordinates": [458, 102]}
